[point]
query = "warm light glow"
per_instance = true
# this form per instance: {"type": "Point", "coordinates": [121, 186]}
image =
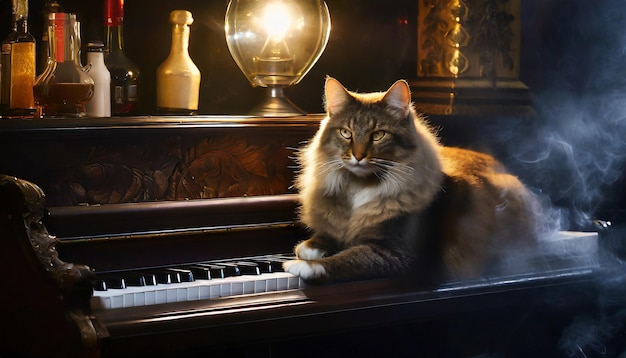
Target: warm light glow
{"type": "Point", "coordinates": [275, 43]}
{"type": "Point", "coordinates": [276, 20]}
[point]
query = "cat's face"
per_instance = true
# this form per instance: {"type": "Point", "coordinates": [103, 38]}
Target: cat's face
{"type": "Point", "coordinates": [368, 134]}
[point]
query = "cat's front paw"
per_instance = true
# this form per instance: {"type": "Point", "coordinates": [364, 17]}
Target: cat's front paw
{"type": "Point", "coordinates": [305, 269]}
{"type": "Point", "coordinates": [305, 252]}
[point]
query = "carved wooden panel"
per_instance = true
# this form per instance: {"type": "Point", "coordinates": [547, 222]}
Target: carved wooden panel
{"type": "Point", "coordinates": [231, 166]}
{"type": "Point", "coordinates": [148, 159]}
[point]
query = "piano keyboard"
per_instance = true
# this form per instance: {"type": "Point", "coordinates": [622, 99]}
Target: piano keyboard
{"type": "Point", "coordinates": [195, 281]}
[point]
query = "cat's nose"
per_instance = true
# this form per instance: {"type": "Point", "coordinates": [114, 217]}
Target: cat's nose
{"type": "Point", "coordinates": [359, 156]}
{"type": "Point", "coordinates": [359, 152]}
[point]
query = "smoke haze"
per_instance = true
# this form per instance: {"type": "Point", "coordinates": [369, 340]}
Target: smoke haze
{"type": "Point", "coordinates": [574, 155]}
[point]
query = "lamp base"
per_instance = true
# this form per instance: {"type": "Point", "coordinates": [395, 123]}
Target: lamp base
{"type": "Point", "coordinates": [276, 104]}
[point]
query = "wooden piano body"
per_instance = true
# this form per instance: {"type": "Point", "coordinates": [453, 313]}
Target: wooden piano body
{"type": "Point", "coordinates": [127, 193]}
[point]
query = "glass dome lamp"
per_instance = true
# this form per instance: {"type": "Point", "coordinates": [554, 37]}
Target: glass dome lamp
{"type": "Point", "coordinates": [275, 43]}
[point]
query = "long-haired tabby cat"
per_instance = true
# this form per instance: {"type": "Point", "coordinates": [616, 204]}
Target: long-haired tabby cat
{"type": "Point", "coordinates": [382, 197]}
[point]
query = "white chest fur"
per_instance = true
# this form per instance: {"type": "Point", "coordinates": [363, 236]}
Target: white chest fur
{"type": "Point", "coordinates": [364, 196]}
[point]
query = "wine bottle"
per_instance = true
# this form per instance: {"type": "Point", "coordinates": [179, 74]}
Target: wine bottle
{"type": "Point", "coordinates": [124, 73]}
{"type": "Point", "coordinates": [18, 67]}
{"type": "Point", "coordinates": [178, 78]}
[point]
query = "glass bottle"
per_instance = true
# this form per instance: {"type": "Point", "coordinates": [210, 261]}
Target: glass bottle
{"type": "Point", "coordinates": [43, 52]}
{"type": "Point", "coordinates": [18, 67]}
{"type": "Point", "coordinates": [100, 104]}
{"type": "Point", "coordinates": [178, 78]}
{"type": "Point", "coordinates": [124, 73]}
{"type": "Point", "coordinates": [78, 42]}
{"type": "Point", "coordinates": [63, 89]}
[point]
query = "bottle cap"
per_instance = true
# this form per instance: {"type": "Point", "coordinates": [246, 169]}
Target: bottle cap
{"type": "Point", "coordinates": [95, 46]}
{"type": "Point", "coordinates": [113, 12]}
{"type": "Point", "coordinates": [181, 17]}
{"type": "Point", "coordinates": [20, 8]}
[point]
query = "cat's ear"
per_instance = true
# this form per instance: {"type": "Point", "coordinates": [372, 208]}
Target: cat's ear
{"type": "Point", "coordinates": [335, 94]}
{"type": "Point", "coordinates": [399, 96]}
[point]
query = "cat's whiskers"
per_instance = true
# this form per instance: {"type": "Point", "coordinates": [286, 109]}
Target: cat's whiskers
{"type": "Point", "coordinates": [329, 166]}
{"type": "Point", "coordinates": [394, 171]}
{"type": "Point", "coordinates": [390, 164]}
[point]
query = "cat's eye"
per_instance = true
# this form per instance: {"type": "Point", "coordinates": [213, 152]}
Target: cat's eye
{"type": "Point", "coordinates": [345, 133]}
{"type": "Point", "coordinates": [378, 135]}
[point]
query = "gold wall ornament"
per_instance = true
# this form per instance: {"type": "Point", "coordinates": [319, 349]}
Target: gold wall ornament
{"type": "Point", "coordinates": [468, 58]}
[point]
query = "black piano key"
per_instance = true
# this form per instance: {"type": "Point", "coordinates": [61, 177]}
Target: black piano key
{"type": "Point", "coordinates": [175, 276]}
{"type": "Point", "coordinates": [100, 285]}
{"type": "Point", "coordinates": [166, 276]}
{"type": "Point", "coordinates": [270, 265]}
{"type": "Point", "coordinates": [114, 281]}
{"type": "Point", "coordinates": [134, 279]}
{"type": "Point", "coordinates": [217, 271]}
{"type": "Point", "coordinates": [277, 265]}
{"type": "Point", "coordinates": [230, 269]}
{"type": "Point", "coordinates": [183, 275]}
{"type": "Point", "coordinates": [265, 266]}
{"type": "Point", "coordinates": [248, 268]}
{"type": "Point", "coordinates": [149, 278]}
{"type": "Point", "coordinates": [200, 272]}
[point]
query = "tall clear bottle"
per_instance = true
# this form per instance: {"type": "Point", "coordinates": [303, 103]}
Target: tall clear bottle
{"type": "Point", "coordinates": [18, 67]}
{"type": "Point", "coordinates": [178, 78]}
{"type": "Point", "coordinates": [124, 73]}
{"type": "Point", "coordinates": [43, 52]}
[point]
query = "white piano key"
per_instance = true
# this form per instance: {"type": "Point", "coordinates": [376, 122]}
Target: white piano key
{"type": "Point", "coordinates": [161, 296]}
{"type": "Point", "coordinates": [216, 290]}
{"type": "Point", "coordinates": [271, 284]}
{"type": "Point", "coordinates": [193, 293]}
{"type": "Point", "coordinates": [150, 297]}
{"type": "Point", "coordinates": [248, 287]}
{"type": "Point", "coordinates": [139, 299]}
{"type": "Point", "coordinates": [282, 283]}
{"type": "Point", "coordinates": [225, 289]}
{"type": "Point", "coordinates": [236, 288]}
{"type": "Point", "coordinates": [260, 286]}
{"type": "Point", "coordinates": [171, 294]}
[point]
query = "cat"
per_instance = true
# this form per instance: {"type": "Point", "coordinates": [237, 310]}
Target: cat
{"type": "Point", "coordinates": [382, 197]}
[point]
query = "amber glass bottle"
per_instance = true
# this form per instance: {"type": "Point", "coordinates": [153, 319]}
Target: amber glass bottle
{"type": "Point", "coordinates": [18, 67]}
{"type": "Point", "coordinates": [124, 73]}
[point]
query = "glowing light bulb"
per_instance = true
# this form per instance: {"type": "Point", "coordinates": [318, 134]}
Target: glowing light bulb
{"type": "Point", "coordinates": [275, 43]}
{"type": "Point", "coordinates": [276, 20]}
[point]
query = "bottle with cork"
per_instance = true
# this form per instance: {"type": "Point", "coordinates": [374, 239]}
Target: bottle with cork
{"type": "Point", "coordinates": [178, 78]}
{"type": "Point", "coordinates": [18, 63]}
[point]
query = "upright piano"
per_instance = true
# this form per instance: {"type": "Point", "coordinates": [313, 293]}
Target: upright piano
{"type": "Point", "coordinates": [163, 237]}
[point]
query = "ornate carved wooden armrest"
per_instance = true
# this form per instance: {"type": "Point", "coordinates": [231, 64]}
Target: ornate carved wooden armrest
{"type": "Point", "coordinates": [45, 302]}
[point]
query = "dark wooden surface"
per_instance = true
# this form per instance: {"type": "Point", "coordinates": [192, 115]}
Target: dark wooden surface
{"type": "Point", "coordinates": [370, 317]}
{"type": "Point", "coordinates": [146, 159]}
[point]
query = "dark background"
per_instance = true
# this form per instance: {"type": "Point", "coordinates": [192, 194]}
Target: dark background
{"type": "Point", "coordinates": [572, 59]}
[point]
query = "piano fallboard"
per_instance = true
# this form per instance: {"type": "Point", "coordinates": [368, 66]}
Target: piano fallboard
{"type": "Point", "coordinates": [134, 235]}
